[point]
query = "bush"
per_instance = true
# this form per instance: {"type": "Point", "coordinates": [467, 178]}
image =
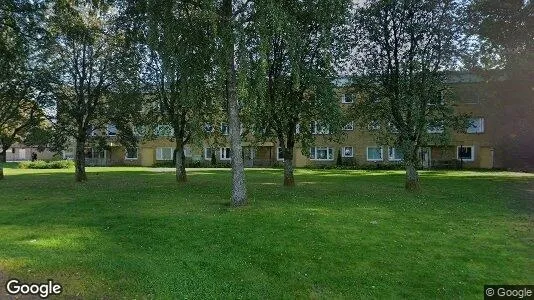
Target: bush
{"type": "Point", "coordinates": [41, 164]}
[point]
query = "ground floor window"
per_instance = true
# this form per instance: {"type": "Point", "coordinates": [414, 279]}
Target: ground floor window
{"type": "Point", "coordinates": [321, 153]}
{"type": "Point", "coordinates": [164, 153]}
{"type": "Point", "coordinates": [132, 153]}
{"type": "Point", "coordinates": [207, 153]}
{"type": "Point", "coordinates": [279, 153]}
{"type": "Point", "coordinates": [374, 153]}
{"type": "Point", "coordinates": [465, 153]}
{"type": "Point", "coordinates": [347, 151]}
{"type": "Point", "coordinates": [225, 153]}
{"type": "Point", "coordinates": [395, 154]}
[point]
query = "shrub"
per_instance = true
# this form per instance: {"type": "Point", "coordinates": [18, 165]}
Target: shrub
{"type": "Point", "coordinates": [41, 164]}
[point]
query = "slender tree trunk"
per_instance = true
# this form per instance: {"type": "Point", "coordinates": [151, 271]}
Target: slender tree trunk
{"type": "Point", "coordinates": [3, 159]}
{"type": "Point", "coordinates": [79, 160]}
{"type": "Point", "coordinates": [181, 175]}
{"type": "Point", "coordinates": [289, 179]}
{"type": "Point", "coordinates": [412, 177]}
{"type": "Point", "coordinates": [3, 155]}
{"type": "Point", "coordinates": [239, 191]}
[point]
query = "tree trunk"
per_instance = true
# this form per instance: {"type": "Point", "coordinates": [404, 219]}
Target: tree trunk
{"type": "Point", "coordinates": [3, 155]}
{"type": "Point", "coordinates": [3, 159]}
{"type": "Point", "coordinates": [289, 179]}
{"type": "Point", "coordinates": [239, 191]}
{"type": "Point", "coordinates": [79, 159]}
{"type": "Point", "coordinates": [412, 177]}
{"type": "Point", "coordinates": [181, 175]}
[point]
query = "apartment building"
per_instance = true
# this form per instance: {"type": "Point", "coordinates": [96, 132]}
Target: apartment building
{"type": "Point", "coordinates": [501, 135]}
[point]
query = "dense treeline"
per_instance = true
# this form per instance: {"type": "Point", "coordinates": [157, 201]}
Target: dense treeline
{"type": "Point", "coordinates": [71, 67]}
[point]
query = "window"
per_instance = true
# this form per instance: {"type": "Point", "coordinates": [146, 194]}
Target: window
{"type": "Point", "coordinates": [321, 153]}
{"type": "Point", "coordinates": [435, 129]}
{"type": "Point", "coordinates": [318, 128]}
{"type": "Point", "coordinates": [349, 126]}
{"type": "Point", "coordinates": [131, 154]}
{"type": "Point", "coordinates": [279, 153]}
{"type": "Point", "coordinates": [207, 153]}
{"type": "Point", "coordinates": [392, 128]}
{"type": "Point", "coordinates": [208, 128]}
{"type": "Point", "coordinates": [466, 153]}
{"type": "Point", "coordinates": [374, 125]}
{"type": "Point", "coordinates": [476, 125]}
{"type": "Point", "coordinates": [347, 151]}
{"type": "Point", "coordinates": [347, 98]}
{"type": "Point", "coordinates": [225, 129]}
{"type": "Point", "coordinates": [225, 153]}
{"type": "Point", "coordinates": [111, 130]}
{"type": "Point", "coordinates": [395, 154]}
{"type": "Point", "coordinates": [164, 130]}
{"type": "Point", "coordinates": [165, 153]}
{"type": "Point", "coordinates": [374, 153]}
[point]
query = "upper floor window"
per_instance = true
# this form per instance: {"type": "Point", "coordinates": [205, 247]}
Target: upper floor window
{"type": "Point", "coordinates": [208, 128]}
{"type": "Point", "coordinates": [435, 129]}
{"type": "Point", "coordinates": [164, 130]}
{"type": "Point", "coordinates": [318, 128]}
{"type": "Point", "coordinates": [476, 125]}
{"type": "Point", "coordinates": [373, 125]}
{"type": "Point", "coordinates": [225, 130]}
{"type": "Point", "coordinates": [111, 130]}
{"type": "Point", "coordinates": [349, 126]}
{"type": "Point", "coordinates": [347, 98]}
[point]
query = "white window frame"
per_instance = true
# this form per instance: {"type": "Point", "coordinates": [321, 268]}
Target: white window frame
{"type": "Point", "coordinates": [206, 156]}
{"type": "Point", "coordinates": [206, 125]}
{"type": "Point", "coordinates": [435, 129]}
{"type": "Point", "coordinates": [344, 98]}
{"type": "Point", "coordinates": [392, 158]}
{"type": "Point", "coordinates": [227, 131]}
{"type": "Point", "coordinates": [329, 150]}
{"type": "Point", "coordinates": [375, 159]}
{"type": "Point", "coordinates": [325, 130]}
{"type": "Point", "coordinates": [349, 126]}
{"type": "Point", "coordinates": [108, 131]}
{"type": "Point", "coordinates": [222, 151]}
{"type": "Point", "coordinates": [167, 128]}
{"type": "Point", "coordinates": [466, 159]}
{"type": "Point", "coordinates": [159, 153]}
{"type": "Point", "coordinates": [371, 126]}
{"type": "Point", "coordinates": [131, 158]}
{"type": "Point", "coordinates": [478, 129]}
{"type": "Point", "coordinates": [278, 152]}
{"type": "Point", "coordinates": [343, 151]}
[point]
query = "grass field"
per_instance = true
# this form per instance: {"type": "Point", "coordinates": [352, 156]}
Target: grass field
{"type": "Point", "coordinates": [135, 233]}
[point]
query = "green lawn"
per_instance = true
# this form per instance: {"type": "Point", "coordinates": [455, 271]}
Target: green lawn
{"type": "Point", "coordinates": [135, 233]}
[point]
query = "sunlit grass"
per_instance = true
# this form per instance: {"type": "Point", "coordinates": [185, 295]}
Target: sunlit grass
{"type": "Point", "coordinates": [135, 233]}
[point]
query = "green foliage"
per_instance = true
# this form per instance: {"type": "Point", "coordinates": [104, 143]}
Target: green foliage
{"type": "Point", "coordinates": [504, 34]}
{"type": "Point", "coordinates": [41, 164]}
{"type": "Point", "coordinates": [297, 49]}
{"type": "Point", "coordinates": [19, 96]}
{"type": "Point", "coordinates": [405, 46]}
